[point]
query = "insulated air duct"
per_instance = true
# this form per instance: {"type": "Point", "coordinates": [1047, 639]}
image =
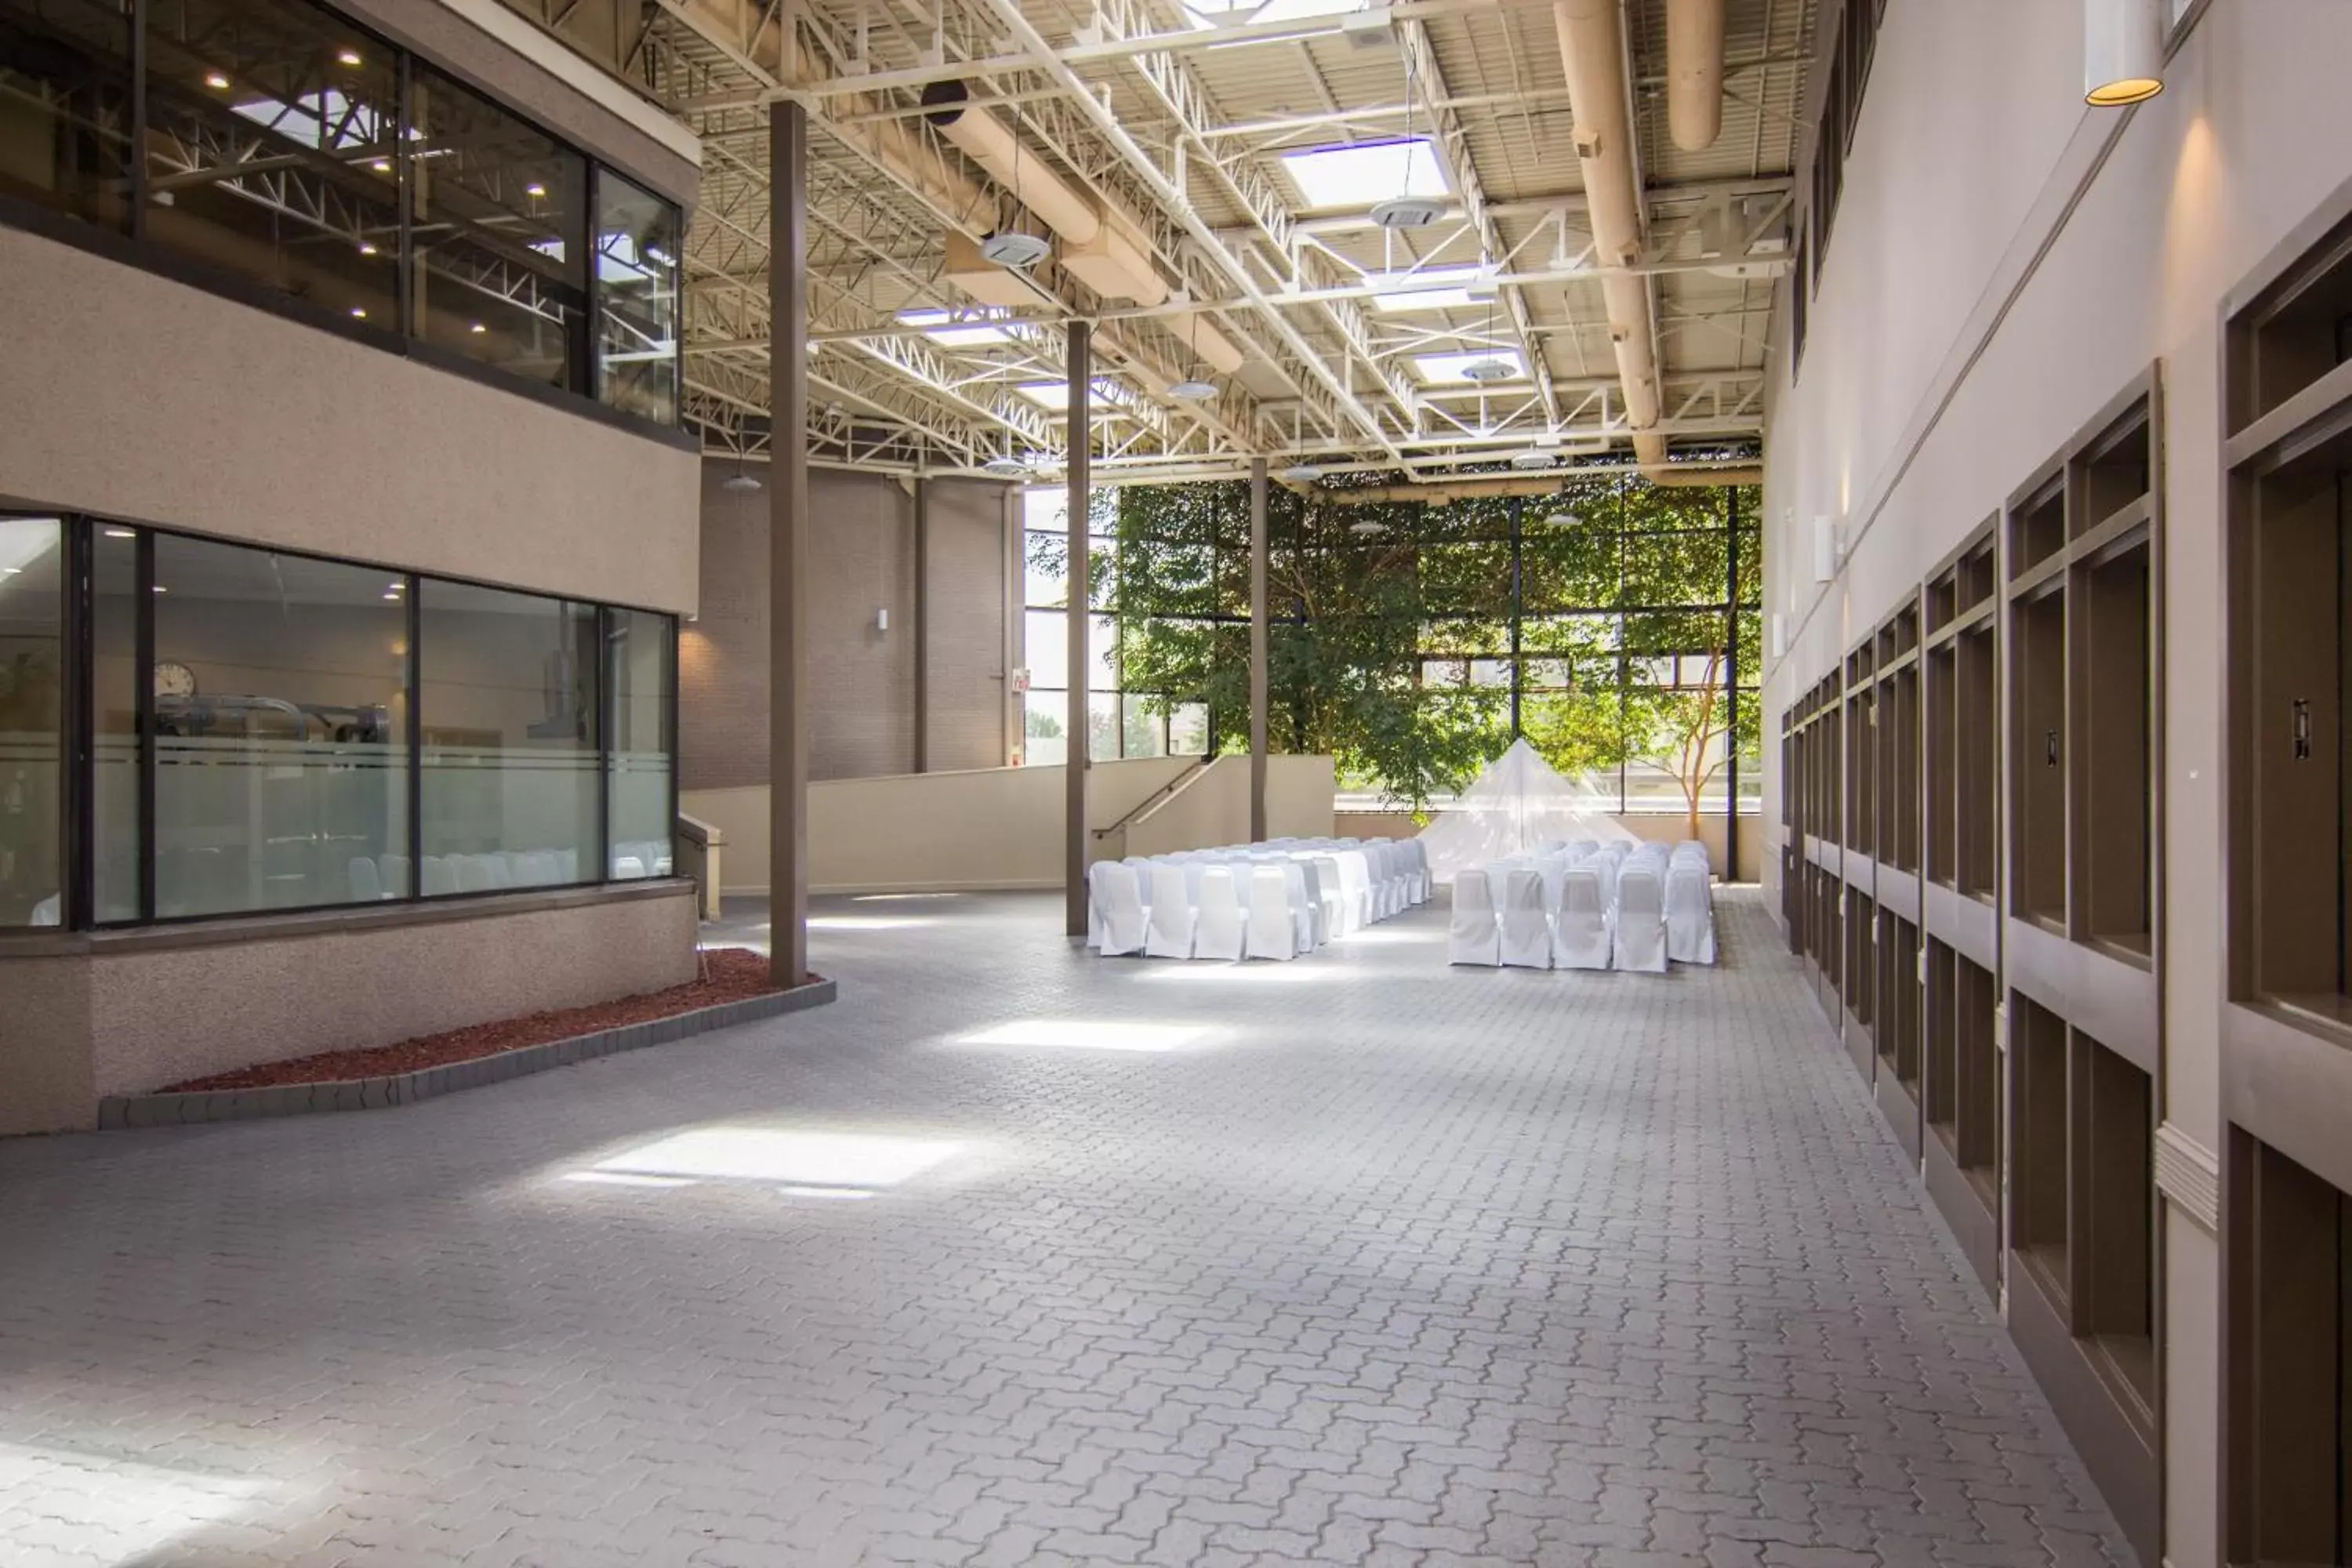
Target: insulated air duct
{"type": "Point", "coordinates": [1592, 53]}
{"type": "Point", "coordinates": [1695, 72]}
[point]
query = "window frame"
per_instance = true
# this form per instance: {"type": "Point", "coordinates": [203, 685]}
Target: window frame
{"type": "Point", "coordinates": [78, 824]}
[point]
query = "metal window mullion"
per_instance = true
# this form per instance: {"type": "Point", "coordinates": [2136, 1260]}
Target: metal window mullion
{"type": "Point", "coordinates": [403, 195]}
{"type": "Point", "coordinates": [137, 218]}
{"type": "Point", "coordinates": [591, 355]}
{"type": "Point", "coordinates": [143, 612]}
{"type": "Point", "coordinates": [414, 676]}
{"type": "Point", "coordinates": [602, 706]}
{"type": "Point", "coordinates": [671, 736]}
{"type": "Point", "coordinates": [79, 750]}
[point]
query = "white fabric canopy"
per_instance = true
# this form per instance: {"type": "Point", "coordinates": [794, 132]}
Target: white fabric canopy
{"type": "Point", "coordinates": [1519, 802]}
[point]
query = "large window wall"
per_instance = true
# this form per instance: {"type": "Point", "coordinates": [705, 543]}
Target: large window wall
{"type": "Point", "coordinates": [1614, 625]}
{"type": "Point", "coordinates": [277, 149]}
{"type": "Point", "coordinates": [252, 731]}
{"type": "Point", "coordinates": [1125, 719]}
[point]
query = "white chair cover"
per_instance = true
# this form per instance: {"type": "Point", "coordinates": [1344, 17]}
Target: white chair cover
{"type": "Point", "coordinates": [1355, 891]}
{"type": "Point", "coordinates": [366, 885]}
{"type": "Point", "coordinates": [1121, 903]}
{"type": "Point", "coordinates": [1527, 930]}
{"type": "Point", "coordinates": [439, 875]}
{"type": "Point", "coordinates": [1095, 903]}
{"type": "Point", "coordinates": [1272, 919]}
{"type": "Point", "coordinates": [1690, 917]}
{"type": "Point", "coordinates": [391, 875]}
{"type": "Point", "coordinates": [1581, 935]}
{"type": "Point", "coordinates": [1217, 930]}
{"type": "Point", "coordinates": [473, 873]}
{"type": "Point", "coordinates": [1641, 933]}
{"type": "Point", "coordinates": [1331, 886]}
{"type": "Point", "coordinates": [1169, 932]}
{"type": "Point", "coordinates": [1473, 935]}
{"type": "Point", "coordinates": [1305, 909]}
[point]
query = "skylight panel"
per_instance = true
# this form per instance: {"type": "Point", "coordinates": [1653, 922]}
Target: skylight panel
{"type": "Point", "coordinates": [1429, 288]}
{"type": "Point", "coordinates": [1233, 13]}
{"type": "Point", "coordinates": [1451, 369]}
{"type": "Point", "coordinates": [945, 329]}
{"type": "Point", "coordinates": [1353, 178]}
{"type": "Point", "coordinates": [1054, 395]}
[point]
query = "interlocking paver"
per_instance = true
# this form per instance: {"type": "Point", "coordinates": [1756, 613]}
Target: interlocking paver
{"type": "Point", "coordinates": [1383, 1263]}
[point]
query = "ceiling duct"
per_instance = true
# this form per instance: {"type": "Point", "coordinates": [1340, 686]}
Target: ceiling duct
{"type": "Point", "coordinates": [1592, 52]}
{"type": "Point", "coordinates": [1695, 72]}
{"type": "Point", "coordinates": [1742, 472]}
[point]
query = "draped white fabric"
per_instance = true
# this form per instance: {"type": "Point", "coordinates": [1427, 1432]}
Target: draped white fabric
{"type": "Point", "coordinates": [1278, 901]}
{"type": "Point", "coordinates": [1579, 906]}
{"type": "Point", "coordinates": [1518, 803]}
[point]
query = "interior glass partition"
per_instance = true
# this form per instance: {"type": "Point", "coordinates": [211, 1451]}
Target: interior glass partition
{"type": "Point", "coordinates": [280, 719]}
{"type": "Point", "coordinates": [121, 607]}
{"type": "Point", "coordinates": [32, 719]}
{"type": "Point", "coordinates": [640, 674]}
{"type": "Point", "coordinates": [65, 135]}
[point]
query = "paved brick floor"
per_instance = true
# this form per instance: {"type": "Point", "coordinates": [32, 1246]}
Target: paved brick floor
{"type": "Point", "coordinates": [1351, 1260]}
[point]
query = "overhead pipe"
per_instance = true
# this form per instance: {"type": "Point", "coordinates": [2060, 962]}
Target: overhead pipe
{"type": "Point", "coordinates": [1695, 72]}
{"type": "Point", "coordinates": [1673, 477]}
{"type": "Point", "coordinates": [1592, 55]}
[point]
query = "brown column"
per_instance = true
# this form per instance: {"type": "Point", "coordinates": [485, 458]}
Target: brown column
{"type": "Point", "coordinates": [1081, 439]}
{"type": "Point", "coordinates": [1257, 649]}
{"type": "Point", "coordinates": [788, 542]}
{"type": "Point", "coordinates": [922, 625]}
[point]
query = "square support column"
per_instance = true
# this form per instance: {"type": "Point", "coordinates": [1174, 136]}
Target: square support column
{"type": "Point", "coordinates": [1257, 672]}
{"type": "Point", "coordinates": [788, 543]}
{"type": "Point", "coordinates": [1081, 440]}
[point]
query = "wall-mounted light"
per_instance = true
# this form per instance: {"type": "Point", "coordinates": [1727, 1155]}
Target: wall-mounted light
{"type": "Point", "coordinates": [2123, 51]}
{"type": "Point", "coordinates": [882, 619]}
{"type": "Point", "coordinates": [1829, 543]}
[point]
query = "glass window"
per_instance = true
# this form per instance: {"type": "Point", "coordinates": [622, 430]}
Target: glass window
{"type": "Point", "coordinates": [499, 208]}
{"type": "Point", "coordinates": [506, 705]}
{"type": "Point", "coordinates": [65, 105]}
{"type": "Point", "coordinates": [32, 711]}
{"type": "Point", "coordinates": [1188, 729]}
{"type": "Point", "coordinates": [1143, 729]}
{"type": "Point", "coordinates": [639, 675]}
{"type": "Point", "coordinates": [115, 677]}
{"type": "Point", "coordinates": [1046, 647]}
{"type": "Point", "coordinates": [636, 299]}
{"type": "Point", "coordinates": [272, 149]}
{"type": "Point", "coordinates": [281, 761]}
{"type": "Point", "coordinates": [1046, 728]}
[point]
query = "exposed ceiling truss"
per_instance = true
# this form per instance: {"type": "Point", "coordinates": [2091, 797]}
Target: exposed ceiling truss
{"type": "Point", "coordinates": [1172, 124]}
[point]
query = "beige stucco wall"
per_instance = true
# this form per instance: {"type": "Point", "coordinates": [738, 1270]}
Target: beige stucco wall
{"type": "Point", "coordinates": [136, 397]}
{"type": "Point", "coordinates": [1002, 827]}
{"type": "Point", "coordinates": [1990, 285]}
{"type": "Point", "coordinates": [123, 1015]}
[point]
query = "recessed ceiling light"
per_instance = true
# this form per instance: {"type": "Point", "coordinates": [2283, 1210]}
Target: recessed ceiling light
{"type": "Point", "coordinates": [395, 587]}
{"type": "Point", "coordinates": [122, 533]}
{"type": "Point", "coordinates": [366, 250]}
{"type": "Point", "coordinates": [382, 165]}
{"type": "Point", "coordinates": [534, 189]}
{"type": "Point", "coordinates": [10, 571]}
{"type": "Point", "coordinates": [1192, 389]}
{"type": "Point", "coordinates": [1016, 250]}
{"type": "Point", "coordinates": [360, 312]}
{"type": "Point", "coordinates": [478, 326]}
{"type": "Point", "coordinates": [394, 597]}
{"type": "Point", "coordinates": [216, 82]}
{"type": "Point", "coordinates": [350, 57]}
{"type": "Point", "coordinates": [161, 589]}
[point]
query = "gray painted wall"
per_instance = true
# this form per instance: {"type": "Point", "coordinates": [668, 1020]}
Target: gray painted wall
{"type": "Point", "coordinates": [861, 679]}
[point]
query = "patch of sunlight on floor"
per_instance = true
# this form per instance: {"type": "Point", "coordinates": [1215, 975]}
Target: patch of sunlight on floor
{"type": "Point", "coordinates": [865, 922]}
{"type": "Point", "coordinates": [1295, 972]}
{"type": "Point", "coordinates": [788, 1157]}
{"type": "Point", "coordinates": [115, 1510]}
{"type": "Point", "coordinates": [1091, 1034]}
{"type": "Point", "coordinates": [897, 897]}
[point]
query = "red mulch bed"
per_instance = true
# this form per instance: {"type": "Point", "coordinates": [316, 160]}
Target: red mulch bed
{"type": "Point", "coordinates": [734, 975]}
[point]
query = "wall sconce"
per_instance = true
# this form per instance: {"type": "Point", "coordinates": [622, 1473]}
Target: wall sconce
{"type": "Point", "coordinates": [882, 620]}
{"type": "Point", "coordinates": [1829, 545]}
{"type": "Point", "coordinates": [2123, 52]}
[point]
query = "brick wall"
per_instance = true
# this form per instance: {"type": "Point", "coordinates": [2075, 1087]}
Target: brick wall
{"type": "Point", "coordinates": [861, 679]}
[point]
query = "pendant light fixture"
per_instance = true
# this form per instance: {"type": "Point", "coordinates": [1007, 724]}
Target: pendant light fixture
{"type": "Point", "coordinates": [1195, 387]}
{"type": "Point", "coordinates": [1405, 210]}
{"type": "Point", "coordinates": [1015, 250]}
{"type": "Point", "coordinates": [739, 482]}
{"type": "Point", "coordinates": [2123, 52]}
{"type": "Point", "coordinates": [1490, 366]}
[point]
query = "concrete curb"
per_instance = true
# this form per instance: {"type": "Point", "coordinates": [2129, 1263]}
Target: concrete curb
{"type": "Point", "coordinates": [428, 1083]}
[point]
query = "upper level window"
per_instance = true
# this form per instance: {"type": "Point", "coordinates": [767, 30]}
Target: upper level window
{"type": "Point", "coordinates": [636, 238]}
{"type": "Point", "coordinates": [65, 106]}
{"type": "Point", "coordinates": [279, 152]}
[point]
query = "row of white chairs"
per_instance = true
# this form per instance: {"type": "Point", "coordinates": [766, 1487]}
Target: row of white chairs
{"type": "Point", "coordinates": [1585, 907]}
{"type": "Point", "coordinates": [1275, 899]}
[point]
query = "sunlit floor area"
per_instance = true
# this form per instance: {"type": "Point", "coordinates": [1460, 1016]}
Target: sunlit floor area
{"type": "Point", "coordinates": [1016, 1256]}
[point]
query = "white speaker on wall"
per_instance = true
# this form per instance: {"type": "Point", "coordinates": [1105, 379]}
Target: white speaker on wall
{"type": "Point", "coordinates": [1829, 540]}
